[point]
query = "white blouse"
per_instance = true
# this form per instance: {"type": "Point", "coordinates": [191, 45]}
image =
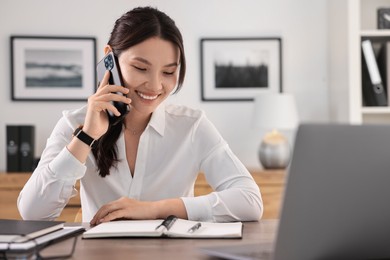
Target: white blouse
{"type": "Point", "coordinates": [177, 144]}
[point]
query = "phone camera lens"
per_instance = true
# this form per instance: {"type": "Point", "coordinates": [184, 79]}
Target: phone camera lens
{"type": "Point", "coordinates": [108, 63]}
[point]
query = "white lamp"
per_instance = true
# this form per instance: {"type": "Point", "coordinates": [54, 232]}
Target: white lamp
{"type": "Point", "coordinates": [275, 111]}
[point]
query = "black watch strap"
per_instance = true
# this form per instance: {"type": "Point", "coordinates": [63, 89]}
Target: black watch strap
{"type": "Point", "coordinates": [85, 138]}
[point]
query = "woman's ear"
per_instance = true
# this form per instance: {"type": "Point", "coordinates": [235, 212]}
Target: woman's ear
{"type": "Point", "coordinates": [107, 49]}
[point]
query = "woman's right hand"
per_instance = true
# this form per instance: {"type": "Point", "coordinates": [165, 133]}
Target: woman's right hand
{"type": "Point", "coordinates": [96, 121]}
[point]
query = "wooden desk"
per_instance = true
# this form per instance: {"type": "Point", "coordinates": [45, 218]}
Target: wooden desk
{"type": "Point", "coordinates": [271, 184]}
{"type": "Point", "coordinates": [167, 248]}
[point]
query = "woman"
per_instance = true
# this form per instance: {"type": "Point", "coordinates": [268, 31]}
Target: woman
{"type": "Point", "coordinates": [145, 166]}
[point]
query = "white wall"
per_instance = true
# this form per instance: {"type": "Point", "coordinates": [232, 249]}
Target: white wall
{"type": "Point", "coordinates": [300, 23]}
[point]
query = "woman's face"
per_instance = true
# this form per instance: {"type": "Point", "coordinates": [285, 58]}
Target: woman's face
{"type": "Point", "coordinates": [150, 71]}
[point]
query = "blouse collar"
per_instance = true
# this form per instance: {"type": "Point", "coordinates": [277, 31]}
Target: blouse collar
{"type": "Point", "coordinates": [157, 121]}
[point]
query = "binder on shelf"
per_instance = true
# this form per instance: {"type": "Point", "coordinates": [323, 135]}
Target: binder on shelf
{"type": "Point", "coordinates": [26, 149]}
{"type": "Point", "coordinates": [384, 67]}
{"type": "Point", "coordinates": [20, 148]}
{"type": "Point", "coordinates": [374, 93]}
{"type": "Point", "coordinates": [12, 148]}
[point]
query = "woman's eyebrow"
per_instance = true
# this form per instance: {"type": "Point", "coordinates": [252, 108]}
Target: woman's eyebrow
{"type": "Point", "coordinates": [140, 59]}
{"type": "Point", "coordinates": [143, 60]}
{"type": "Point", "coordinates": [173, 64]}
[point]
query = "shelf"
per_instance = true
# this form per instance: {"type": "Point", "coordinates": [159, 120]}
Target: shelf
{"type": "Point", "coordinates": [376, 110]}
{"type": "Point", "coordinates": [351, 21]}
{"type": "Point", "coordinates": [375, 33]}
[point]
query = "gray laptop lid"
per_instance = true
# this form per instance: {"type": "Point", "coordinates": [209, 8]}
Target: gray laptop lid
{"type": "Point", "coordinates": [337, 200]}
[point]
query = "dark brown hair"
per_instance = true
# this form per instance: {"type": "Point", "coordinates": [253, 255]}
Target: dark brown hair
{"type": "Point", "coordinates": [133, 28]}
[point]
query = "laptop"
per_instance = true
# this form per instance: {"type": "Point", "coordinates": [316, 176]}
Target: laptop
{"type": "Point", "coordinates": [337, 199]}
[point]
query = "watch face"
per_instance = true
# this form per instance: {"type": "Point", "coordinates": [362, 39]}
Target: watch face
{"type": "Point", "coordinates": [384, 18]}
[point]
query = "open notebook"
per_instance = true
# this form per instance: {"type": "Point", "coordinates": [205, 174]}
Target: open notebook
{"type": "Point", "coordinates": [170, 227]}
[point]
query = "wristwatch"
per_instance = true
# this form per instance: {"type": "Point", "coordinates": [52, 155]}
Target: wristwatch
{"type": "Point", "coordinates": [85, 138]}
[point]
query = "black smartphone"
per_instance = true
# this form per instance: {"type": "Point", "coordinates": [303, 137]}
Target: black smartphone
{"type": "Point", "coordinates": [110, 62]}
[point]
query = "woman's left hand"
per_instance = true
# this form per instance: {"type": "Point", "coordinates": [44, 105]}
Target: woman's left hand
{"type": "Point", "coordinates": [124, 208]}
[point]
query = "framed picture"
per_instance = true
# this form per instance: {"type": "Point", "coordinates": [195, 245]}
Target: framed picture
{"type": "Point", "coordinates": [237, 69]}
{"type": "Point", "coordinates": [53, 68]}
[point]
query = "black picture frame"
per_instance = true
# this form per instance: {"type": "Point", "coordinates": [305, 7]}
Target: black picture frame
{"type": "Point", "coordinates": [52, 68]}
{"type": "Point", "coordinates": [237, 69]}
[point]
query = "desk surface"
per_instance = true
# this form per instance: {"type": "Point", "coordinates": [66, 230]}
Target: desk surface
{"type": "Point", "coordinates": [168, 248]}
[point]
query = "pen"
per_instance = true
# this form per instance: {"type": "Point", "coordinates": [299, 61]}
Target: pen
{"type": "Point", "coordinates": [194, 228]}
{"type": "Point", "coordinates": [168, 222]}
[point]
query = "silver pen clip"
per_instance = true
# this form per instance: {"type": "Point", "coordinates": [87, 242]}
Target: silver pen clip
{"type": "Point", "coordinates": [194, 228]}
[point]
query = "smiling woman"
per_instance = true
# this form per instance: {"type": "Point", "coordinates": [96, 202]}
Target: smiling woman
{"type": "Point", "coordinates": [144, 167]}
{"type": "Point", "coordinates": [152, 74]}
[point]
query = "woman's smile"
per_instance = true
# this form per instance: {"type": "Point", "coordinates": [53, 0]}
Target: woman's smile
{"type": "Point", "coordinates": [146, 96]}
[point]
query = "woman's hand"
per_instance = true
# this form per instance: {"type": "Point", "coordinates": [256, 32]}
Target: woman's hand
{"type": "Point", "coordinates": [96, 121]}
{"type": "Point", "coordinates": [126, 208]}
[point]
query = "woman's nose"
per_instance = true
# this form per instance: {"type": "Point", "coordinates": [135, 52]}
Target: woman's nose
{"type": "Point", "coordinates": [155, 83]}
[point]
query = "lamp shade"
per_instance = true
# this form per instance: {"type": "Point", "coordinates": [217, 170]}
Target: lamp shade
{"type": "Point", "coordinates": [275, 111]}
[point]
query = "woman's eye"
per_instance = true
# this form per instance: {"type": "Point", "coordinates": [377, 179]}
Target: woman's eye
{"type": "Point", "coordinates": [139, 68]}
{"type": "Point", "coordinates": [168, 73]}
